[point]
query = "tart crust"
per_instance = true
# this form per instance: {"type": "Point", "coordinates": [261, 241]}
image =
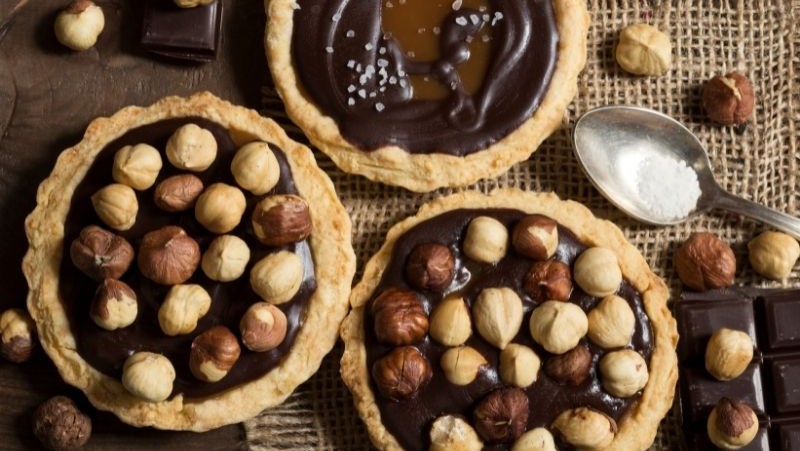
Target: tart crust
{"type": "Point", "coordinates": [330, 246]}
{"type": "Point", "coordinates": [426, 172]}
{"type": "Point", "coordinates": [638, 428]}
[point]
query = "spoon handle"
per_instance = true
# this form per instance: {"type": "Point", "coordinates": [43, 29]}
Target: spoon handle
{"type": "Point", "coordinates": [781, 221]}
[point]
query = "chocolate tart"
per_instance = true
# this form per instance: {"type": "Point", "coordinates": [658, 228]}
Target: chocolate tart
{"type": "Point", "coordinates": [399, 417]}
{"type": "Point", "coordinates": [503, 74]}
{"type": "Point", "coordinates": [91, 358]}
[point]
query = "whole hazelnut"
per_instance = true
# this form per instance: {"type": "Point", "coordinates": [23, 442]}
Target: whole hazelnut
{"type": "Point", "coordinates": [192, 148]}
{"type": "Point", "coordinates": [548, 280]}
{"type": "Point", "coordinates": [486, 240]}
{"type": "Point", "coordinates": [399, 317]}
{"type": "Point", "coordinates": [597, 272]}
{"type": "Point", "coordinates": [519, 366]}
{"type": "Point", "coordinates": [220, 208]}
{"type": "Point", "coordinates": [116, 205]}
{"type": "Point", "coordinates": [178, 193]}
{"type": "Point", "coordinates": [705, 262]}
{"type": "Point", "coordinates": [728, 354]}
{"type": "Point", "coordinates": [168, 255]}
{"type": "Point", "coordinates": [60, 425]}
{"type": "Point", "coordinates": [79, 25]}
{"type": "Point", "coordinates": [182, 309]}
{"type": "Point", "coordinates": [732, 425]}
{"type": "Point", "coordinates": [623, 372]}
{"type": "Point", "coordinates": [226, 258]}
{"type": "Point", "coordinates": [453, 433]}
{"type": "Point", "coordinates": [277, 277]}
{"type": "Point", "coordinates": [281, 219]}
{"type": "Point", "coordinates": [430, 266]}
{"type": "Point", "coordinates": [536, 237]}
{"type": "Point", "coordinates": [402, 373]}
{"type": "Point", "coordinates": [101, 254]}
{"type": "Point", "coordinates": [462, 364]}
{"type": "Point", "coordinates": [255, 168]}
{"type": "Point", "coordinates": [137, 166]}
{"type": "Point", "coordinates": [148, 376]}
{"type": "Point", "coordinates": [558, 326]}
{"type": "Point", "coordinates": [773, 254]}
{"type": "Point", "coordinates": [263, 327]}
{"type": "Point", "coordinates": [450, 323]}
{"type": "Point", "coordinates": [644, 50]}
{"type": "Point", "coordinates": [586, 428]}
{"type": "Point", "coordinates": [214, 352]}
{"type": "Point", "coordinates": [502, 415]}
{"type": "Point", "coordinates": [538, 439]}
{"type": "Point", "coordinates": [571, 368]}
{"type": "Point", "coordinates": [17, 335]}
{"type": "Point", "coordinates": [611, 323]}
{"type": "Point", "coordinates": [498, 315]}
{"type": "Point", "coordinates": [729, 99]}
{"type": "Point", "coordinates": [114, 305]}
{"type": "Point", "coordinates": [192, 3]}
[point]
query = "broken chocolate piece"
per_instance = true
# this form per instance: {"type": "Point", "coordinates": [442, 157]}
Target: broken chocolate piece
{"type": "Point", "coordinates": [184, 33]}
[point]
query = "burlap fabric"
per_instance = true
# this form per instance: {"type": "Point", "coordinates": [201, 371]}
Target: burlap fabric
{"type": "Point", "coordinates": [757, 37]}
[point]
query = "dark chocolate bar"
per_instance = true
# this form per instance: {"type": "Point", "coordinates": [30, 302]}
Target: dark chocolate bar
{"type": "Point", "coordinates": [184, 33]}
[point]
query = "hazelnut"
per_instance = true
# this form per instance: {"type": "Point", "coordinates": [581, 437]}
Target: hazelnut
{"type": "Point", "coordinates": [281, 219]}
{"type": "Point", "coordinates": [536, 237]}
{"type": "Point", "coordinates": [732, 425]}
{"type": "Point", "coordinates": [114, 305]}
{"type": "Point", "coordinates": [214, 352]}
{"type": "Point", "coordinates": [101, 254]}
{"type": "Point", "coordinates": [611, 323]}
{"type": "Point", "coordinates": [498, 315]}
{"type": "Point", "coordinates": [148, 376]}
{"type": "Point", "coordinates": [192, 3]}
{"type": "Point", "coordinates": [137, 166]}
{"type": "Point", "coordinates": [586, 428]}
{"type": "Point", "coordinates": [450, 324]}
{"type": "Point", "coordinates": [538, 439]}
{"type": "Point", "coordinates": [452, 433]}
{"type": "Point", "coordinates": [402, 373]}
{"type": "Point", "coordinates": [558, 326]}
{"type": "Point", "coordinates": [116, 205]}
{"type": "Point", "coordinates": [597, 272]}
{"type": "Point", "coordinates": [60, 425]}
{"type": "Point", "coordinates": [729, 99]}
{"type": "Point", "coordinates": [220, 208]}
{"type": "Point", "coordinates": [705, 262]}
{"type": "Point", "coordinates": [255, 168]}
{"type": "Point", "coordinates": [430, 266]}
{"type": "Point", "coordinates": [168, 255]}
{"type": "Point", "coordinates": [728, 354]}
{"type": "Point", "coordinates": [644, 50]}
{"type": "Point", "coordinates": [79, 25]}
{"type": "Point", "coordinates": [182, 309]}
{"type": "Point", "coordinates": [519, 366]}
{"type": "Point", "coordinates": [548, 280]}
{"type": "Point", "coordinates": [17, 335]}
{"type": "Point", "coordinates": [226, 258]}
{"type": "Point", "coordinates": [192, 148]}
{"type": "Point", "coordinates": [623, 372]}
{"type": "Point", "coordinates": [773, 254]}
{"type": "Point", "coordinates": [178, 193]}
{"type": "Point", "coordinates": [263, 327]}
{"type": "Point", "coordinates": [461, 365]}
{"type": "Point", "coordinates": [399, 317]}
{"type": "Point", "coordinates": [277, 277]}
{"type": "Point", "coordinates": [486, 240]}
{"type": "Point", "coordinates": [571, 368]}
{"type": "Point", "coordinates": [502, 416]}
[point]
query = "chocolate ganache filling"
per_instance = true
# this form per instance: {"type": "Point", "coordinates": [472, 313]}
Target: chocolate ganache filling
{"type": "Point", "coordinates": [409, 421]}
{"type": "Point", "coordinates": [359, 74]}
{"type": "Point", "coordinates": [107, 350]}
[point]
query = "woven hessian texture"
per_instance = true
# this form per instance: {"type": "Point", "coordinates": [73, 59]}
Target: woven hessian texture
{"type": "Point", "coordinates": [756, 37]}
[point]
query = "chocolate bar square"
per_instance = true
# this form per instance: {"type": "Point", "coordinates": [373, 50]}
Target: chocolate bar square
{"type": "Point", "coordinates": [783, 321]}
{"type": "Point", "coordinates": [183, 33]}
{"type": "Point", "coordinates": [698, 320]}
{"type": "Point", "coordinates": [786, 383]}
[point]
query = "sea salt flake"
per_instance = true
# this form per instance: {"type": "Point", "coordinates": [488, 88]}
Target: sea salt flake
{"type": "Point", "coordinates": [351, 101]}
{"type": "Point", "coordinates": [498, 16]}
{"type": "Point", "coordinates": [350, 33]}
{"type": "Point", "coordinates": [351, 64]}
{"type": "Point", "coordinates": [329, 49]}
{"type": "Point", "coordinates": [336, 17]}
{"type": "Point", "coordinates": [351, 88]}
{"type": "Point", "coordinates": [362, 93]}
{"type": "Point", "coordinates": [368, 46]}
{"type": "Point", "coordinates": [457, 5]}
{"type": "Point", "coordinates": [379, 106]}
{"type": "Point", "coordinates": [461, 21]}
{"type": "Point", "coordinates": [475, 19]}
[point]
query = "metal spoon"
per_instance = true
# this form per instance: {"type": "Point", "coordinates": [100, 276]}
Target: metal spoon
{"type": "Point", "coordinates": [612, 141]}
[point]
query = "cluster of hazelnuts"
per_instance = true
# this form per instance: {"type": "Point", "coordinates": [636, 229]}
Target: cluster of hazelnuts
{"type": "Point", "coordinates": [399, 319]}
{"type": "Point", "coordinates": [169, 256]}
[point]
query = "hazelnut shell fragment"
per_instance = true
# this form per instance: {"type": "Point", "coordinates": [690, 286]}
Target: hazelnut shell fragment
{"type": "Point", "coordinates": [213, 354]}
{"type": "Point", "coordinates": [114, 305]}
{"type": "Point", "coordinates": [263, 327]}
{"type": "Point", "coordinates": [101, 254]}
{"type": "Point", "coordinates": [502, 416]}
{"type": "Point", "coordinates": [548, 280]}
{"type": "Point", "coordinates": [60, 425]}
{"type": "Point", "coordinates": [17, 335]}
{"type": "Point", "coordinates": [399, 317]}
{"type": "Point", "coordinates": [728, 353]}
{"type": "Point", "coordinates": [402, 373]}
{"type": "Point", "coordinates": [571, 368]}
{"type": "Point", "coordinates": [705, 262]}
{"type": "Point", "coordinates": [430, 266]}
{"type": "Point", "coordinates": [729, 99]}
{"type": "Point", "coordinates": [281, 219]}
{"type": "Point", "coordinates": [536, 237]}
{"type": "Point", "coordinates": [732, 425]}
{"type": "Point", "coordinates": [168, 256]}
{"type": "Point", "coordinates": [178, 193]}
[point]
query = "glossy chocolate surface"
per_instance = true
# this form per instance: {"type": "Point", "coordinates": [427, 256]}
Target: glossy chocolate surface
{"type": "Point", "coordinates": [184, 33]}
{"type": "Point", "coordinates": [409, 421]}
{"type": "Point", "coordinates": [358, 75]}
{"type": "Point", "coordinates": [107, 350]}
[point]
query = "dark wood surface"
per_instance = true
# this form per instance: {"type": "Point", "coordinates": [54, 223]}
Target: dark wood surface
{"type": "Point", "coordinates": [47, 97]}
